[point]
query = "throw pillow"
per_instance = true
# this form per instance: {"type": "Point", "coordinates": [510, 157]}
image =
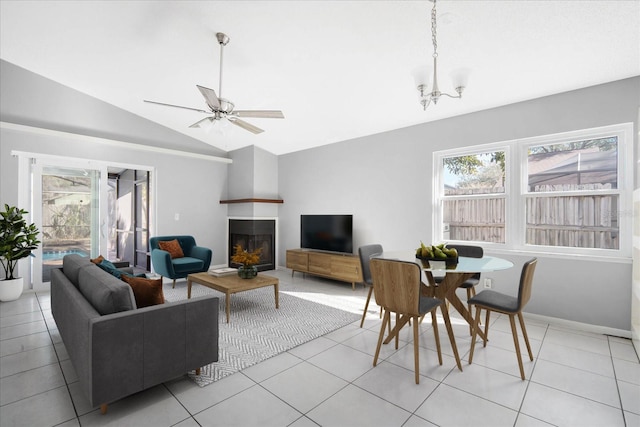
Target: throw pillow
{"type": "Point", "coordinates": [147, 292]}
{"type": "Point", "coordinates": [173, 247]}
{"type": "Point", "coordinates": [108, 266]}
{"type": "Point", "coordinates": [97, 260]}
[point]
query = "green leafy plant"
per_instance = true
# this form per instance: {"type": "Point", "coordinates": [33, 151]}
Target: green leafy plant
{"type": "Point", "coordinates": [17, 239]}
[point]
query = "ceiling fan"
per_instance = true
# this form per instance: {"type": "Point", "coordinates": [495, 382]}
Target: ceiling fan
{"type": "Point", "coordinates": [220, 108]}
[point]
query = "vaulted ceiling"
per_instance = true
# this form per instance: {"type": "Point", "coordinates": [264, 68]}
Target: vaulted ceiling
{"type": "Point", "coordinates": [337, 69]}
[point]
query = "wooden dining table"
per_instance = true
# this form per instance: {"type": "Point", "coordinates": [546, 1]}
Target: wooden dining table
{"type": "Point", "coordinates": [454, 276]}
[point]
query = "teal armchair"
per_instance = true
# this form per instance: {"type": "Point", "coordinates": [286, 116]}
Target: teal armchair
{"type": "Point", "coordinates": [196, 258]}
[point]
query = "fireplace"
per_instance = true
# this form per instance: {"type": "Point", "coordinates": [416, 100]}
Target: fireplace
{"type": "Point", "coordinates": [252, 234]}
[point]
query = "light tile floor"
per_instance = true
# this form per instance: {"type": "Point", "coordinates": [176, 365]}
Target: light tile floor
{"type": "Point", "coordinates": [577, 378]}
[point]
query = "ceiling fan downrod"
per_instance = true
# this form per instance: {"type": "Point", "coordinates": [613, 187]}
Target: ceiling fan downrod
{"type": "Point", "coordinates": [223, 39]}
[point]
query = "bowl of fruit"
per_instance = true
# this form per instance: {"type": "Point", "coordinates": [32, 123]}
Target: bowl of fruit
{"type": "Point", "coordinates": [437, 253]}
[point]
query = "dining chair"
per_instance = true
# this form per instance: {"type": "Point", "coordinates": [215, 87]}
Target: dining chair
{"type": "Point", "coordinates": [397, 289]}
{"type": "Point", "coordinates": [489, 301]}
{"type": "Point", "coordinates": [365, 253]}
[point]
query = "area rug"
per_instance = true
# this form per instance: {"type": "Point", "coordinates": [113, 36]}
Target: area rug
{"type": "Point", "coordinates": [258, 331]}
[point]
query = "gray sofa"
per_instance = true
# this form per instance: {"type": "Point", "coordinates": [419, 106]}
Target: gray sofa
{"type": "Point", "coordinates": [118, 349]}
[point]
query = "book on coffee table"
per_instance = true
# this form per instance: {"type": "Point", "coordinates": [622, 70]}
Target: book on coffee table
{"type": "Point", "coordinates": [224, 271]}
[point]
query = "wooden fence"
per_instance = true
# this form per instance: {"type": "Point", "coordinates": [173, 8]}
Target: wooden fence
{"type": "Point", "coordinates": [584, 221]}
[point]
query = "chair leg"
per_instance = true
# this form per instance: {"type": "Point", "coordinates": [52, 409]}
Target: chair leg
{"type": "Point", "coordinates": [366, 306]}
{"type": "Point", "coordinates": [471, 292]}
{"type": "Point", "coordinates": [524, 333]}
{"type": "Point", "coordinates": [174, 283]}
{"type": "Point", "coordinates": [398, 333]}
{"type": "Point", "coordinates": [385, 320]}
{"type": "Point", "coordinates": [512, 320]}
{"type": "Point", "coordinates": [486, 327]}
{"type": "Point", "coordinates": [474, 334]}
{"type": "Point", "coordinates": [436, 335]}
{"type": "Point", "coordinates": [416, 353]}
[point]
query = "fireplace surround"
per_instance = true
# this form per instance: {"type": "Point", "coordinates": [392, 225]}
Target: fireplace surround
{"type": "Point", "coordinates": [252, 234]}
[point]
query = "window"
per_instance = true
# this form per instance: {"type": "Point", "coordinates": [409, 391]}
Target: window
{"type": "Point", "coordinates": [474, 196]}
{"type": "Point", "coordinates": [572, 198]}
{"type": "Point", "coordinates": [562, 193]}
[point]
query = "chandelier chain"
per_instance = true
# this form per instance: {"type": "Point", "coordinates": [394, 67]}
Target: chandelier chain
{"type": "Point", "coordinates": [433, 30]}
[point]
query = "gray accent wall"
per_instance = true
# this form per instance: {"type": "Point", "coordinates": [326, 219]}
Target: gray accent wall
{"type": "Point", "coordinates": [385, 181]}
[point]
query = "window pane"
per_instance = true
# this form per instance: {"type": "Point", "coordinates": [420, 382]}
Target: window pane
{"type": "Point", "coordinates": [583, 165]}
{"type": "Point", "coordinates": [480, 220]}
{"type": "Point", "coordinates": [589, 221]}
{"type": "Point", "coordinates": [474, 174]}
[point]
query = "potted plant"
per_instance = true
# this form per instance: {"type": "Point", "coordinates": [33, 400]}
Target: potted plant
{"type": "Point", "coordinates": [17, 240]}
{"type": "Point", "coordinates": [248, 261]}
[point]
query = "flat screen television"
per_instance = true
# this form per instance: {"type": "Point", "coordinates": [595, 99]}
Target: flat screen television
{"type": "Point", "coordinates": [333, 233]}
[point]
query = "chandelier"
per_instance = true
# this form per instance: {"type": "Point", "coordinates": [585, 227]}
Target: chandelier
{"type": "Point", "coordinates": [426, 98]}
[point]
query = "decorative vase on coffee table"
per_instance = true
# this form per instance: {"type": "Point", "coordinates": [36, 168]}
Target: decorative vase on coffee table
{"type": "Point", "coordinates": [247, 272]}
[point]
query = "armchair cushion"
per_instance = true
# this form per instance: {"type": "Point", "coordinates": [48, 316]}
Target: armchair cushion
{"type": "Point", "coordinates": [187, 265]}
{"type": "Point", "coordinates": [173, 247]}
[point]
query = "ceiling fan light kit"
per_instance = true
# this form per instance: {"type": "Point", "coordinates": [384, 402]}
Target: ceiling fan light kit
{"type": "Point", "coordinates": [222, 110]}
{"type": "Point", "coordinates": [426, 96]}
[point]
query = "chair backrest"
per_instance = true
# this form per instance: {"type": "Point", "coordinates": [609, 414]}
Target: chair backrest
{"type": "Point", "coordinates": [365, 253]}
{"type": "Point", "coordinates": [396, 285]}
{"type": "Point", "coordinates": [469, 251]}
{"type": "Point", "coordinates": [526, 281]}
{"type": "Point", "coordinates": [186, 242]}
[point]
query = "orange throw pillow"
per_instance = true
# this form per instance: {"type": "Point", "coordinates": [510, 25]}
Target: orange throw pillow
{"type": "Point", "coordinates": [97, 260]}
{"type": "Point", "coordinates": [147, 292]}
{"type": "Point", "coordinates": [173, 247]}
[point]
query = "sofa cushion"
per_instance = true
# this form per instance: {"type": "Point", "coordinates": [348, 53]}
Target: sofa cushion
{"type": "Point", "coordinates": [171, 246]}
{"type": "Point", "coordinates": [71, 265]}
{"type": "Point", "coordinates": [147, 292]}
{"type": "Point", "coordinates": [104, 292]}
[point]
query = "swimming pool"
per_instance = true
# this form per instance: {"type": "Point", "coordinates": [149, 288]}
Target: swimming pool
{"type": "Point", "coordinates": [49, 255]}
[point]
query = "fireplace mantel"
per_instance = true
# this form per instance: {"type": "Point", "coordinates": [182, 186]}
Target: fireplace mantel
{"type": "Point", "coordinates": [222, 202]}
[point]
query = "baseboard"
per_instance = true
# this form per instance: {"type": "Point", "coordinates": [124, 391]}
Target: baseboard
{"type": "Point", "coordinates": [604, 330]}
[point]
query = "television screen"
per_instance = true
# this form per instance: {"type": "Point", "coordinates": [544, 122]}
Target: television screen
{"type": "Point", "coordinates": [332, 233]}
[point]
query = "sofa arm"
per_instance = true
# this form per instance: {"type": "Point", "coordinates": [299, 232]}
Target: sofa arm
{"type": "Point", "coordinates": [162, 263]}
{"type": "Point", "coordinates": [205, 254]}
{"type": "Point", "coordinates": [137, 349]}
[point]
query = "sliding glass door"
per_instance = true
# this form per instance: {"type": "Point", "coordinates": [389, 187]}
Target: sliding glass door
{"type": "Point", "coordinates": [70, 209]}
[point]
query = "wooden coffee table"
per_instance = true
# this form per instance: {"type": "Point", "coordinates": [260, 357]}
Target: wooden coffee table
{"type": "Point", "coordinates": [232, 284]}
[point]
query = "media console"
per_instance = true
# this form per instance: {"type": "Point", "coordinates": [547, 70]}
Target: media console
{"type": "Point", "coordinates": [342, 267]}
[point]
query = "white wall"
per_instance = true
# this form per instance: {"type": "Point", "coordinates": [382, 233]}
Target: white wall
{"type": "Point", "coordinates": [385, 181]}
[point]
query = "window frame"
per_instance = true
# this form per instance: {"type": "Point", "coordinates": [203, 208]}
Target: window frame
{"type": "Point", "coordinates": [517, 193]}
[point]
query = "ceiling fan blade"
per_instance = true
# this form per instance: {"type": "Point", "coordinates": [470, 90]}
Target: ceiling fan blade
{"type": "Point", "coordinates": [267, 114]}
{"type": "Point", "coordinates": [178, 106]}
{"type": "Point", "coordinates": [199, 123]}
{"type": "Point", "coordinates": [210, 96]}
{"type": "Point", "coordinates": [245, 125]}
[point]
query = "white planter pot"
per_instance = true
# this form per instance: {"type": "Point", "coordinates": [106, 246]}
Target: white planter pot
{"type": "Point", "coordinates": [10, 290]}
